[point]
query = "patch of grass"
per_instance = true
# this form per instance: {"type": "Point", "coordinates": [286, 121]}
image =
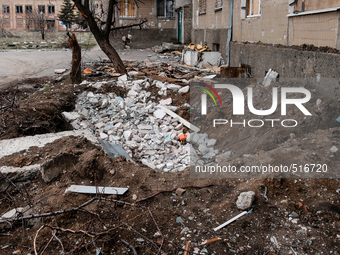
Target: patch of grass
{"type": "Point", "coordinates": [47, 88]}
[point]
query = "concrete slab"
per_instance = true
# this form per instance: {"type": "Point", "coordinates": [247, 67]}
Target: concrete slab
{"type": "Point", "coordinates": [11, 146]}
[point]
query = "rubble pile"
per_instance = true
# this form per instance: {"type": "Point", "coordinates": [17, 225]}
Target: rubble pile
{"type": "Point", "coordinates": [139, 124]}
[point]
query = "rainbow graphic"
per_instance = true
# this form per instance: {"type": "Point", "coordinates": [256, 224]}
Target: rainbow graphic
{"type": "Point", "coordinates": [209, 93]}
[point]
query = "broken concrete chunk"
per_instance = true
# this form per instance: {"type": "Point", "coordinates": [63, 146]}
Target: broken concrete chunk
{"type": "Point", "coordinates": [173, 87]}
{"type": "Point", "coordinates": [59, 71]}
{"type": "Point", "coordinates": [132, 93]}
{"type": "Point", "coordinates": [165, 102]}
{"type": "Point", "coordinates": [122, 78]}
{"type": "Point", "coordinates": [127, 135]}
{"type": "Point", "coordinates": [270, 77]}
{"type": "Point", "coordinates": [180, 191]}
{"type": "Point", "coordinates": [69, 116]}
{"type": "Point", "coordinates": [334, 149]}
{"type": "Point", "coordinates": [245, 200]}
{"type": "Point", "coordinates": [184, 90]}
{"type": "Point", "coordinates": [211, 142]}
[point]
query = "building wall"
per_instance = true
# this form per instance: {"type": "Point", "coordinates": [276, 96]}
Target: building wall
{"type": "Point", "coordinates": [269, 27]}
{"type": "Point", "coordinates": [311, 5]}
{"type": "Point", "coordinates": [154, 32]}
{"type": "Point", "coordinates": [319, 70]}
{"type": "Point", "coordinates": [318, 29]}
{"type": "Point", "coordinates": [211, 28]}
{"type": "Point", "coordinates": [16, 21]}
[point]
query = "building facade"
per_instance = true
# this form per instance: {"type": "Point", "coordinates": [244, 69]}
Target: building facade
{"type": "Point", "coordinates": [286, 22]}
{"type": "Point", "coordinates": [14, 13]}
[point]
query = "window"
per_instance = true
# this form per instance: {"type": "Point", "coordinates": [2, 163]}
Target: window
{"type": "Point", "coordinates": [18, 9]}
{"type": "Point", "coordinates": [165, 8]}
{"type": "Point", "coordinates": [202, 6]}
{"type": "Point", "coordinates": [5, 8]}
{"type": "Point", "coordinates": [28, 9]}
{"type": "Point", "coordinates": [51, 9]}
{"type": "Point", "coordinates": [127, 8]}
{"type": "Point", "coordinates": [253, 7]}
{"type": "Point", "coordinates": [41, 9]}
{"type": "Point", "coordinates": [218, 4]}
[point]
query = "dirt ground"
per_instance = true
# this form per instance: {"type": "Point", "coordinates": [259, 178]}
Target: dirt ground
{"type": "Point", "coordinates": [289, 216]}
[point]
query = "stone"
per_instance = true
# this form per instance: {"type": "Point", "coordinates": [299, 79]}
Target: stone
{"type": "Point", "coordinates": [293, 214]}
{"type": "Point", "coordinates": [160, 85]}
{"type": "Point", "coordinates": [179, 126]}
{"type": "Point", "coordinates": [90, 94]}
{"type": "Point", "coordinates": [318, 102]}
{"type": "Point", "coordinates": [127, 135]}
{"type": "Point", "coordinates": [173, 87]}
{"type": "Point", "coordinates": [131, 144]}
{"type": "Point", "coordinates": [203, 149]}
{"type": "Point", "coordinates": [132, 73]}
{"type": "Point", "coordinates": [184, 90]}
{"type": "Point", "coordinates": [211, 142]}
{"type": "Point", "coordinates": [334, 149]}
{"type": "Point", "coordinates": [160, 166]}
{"type": "Point", "coordinates": [136, 87]}
{"type": "Point", "coordinates": [85, 112]}
{"type": "Point", "coordinates": [144, 127]}
{"type": "Point", "coordinates": [180, 191]}
{"type": "Point", "coordinates": [69, 116]}
{"type": "Point", "coordinates": [170, 165]}
{"type": "Point", "coordinates": [159, 114]}
{"type": "Point", "coordinates": [184, 231]}
{"type": "Point", "coordinates": [167, 101]}
{"type": "Point", "coordinates": [103, 135]}
{"type": "Point", "coordinates": [245, 200]}
{"type": "Point", "coordinates": [275, 242]}
{"type": "Point", "coordinates": [270, 76]}
{"type": "Point", "coordinates": [123, 78]}
{"type": "Point", "coordinates": [105, 103]}
{"type": "Point", "coordinates": [132, 93]}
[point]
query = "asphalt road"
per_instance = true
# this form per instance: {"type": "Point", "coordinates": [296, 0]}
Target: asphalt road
{"type": "Point", "coordinates": [16, 65]}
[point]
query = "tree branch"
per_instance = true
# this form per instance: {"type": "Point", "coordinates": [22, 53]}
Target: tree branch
{"type": "Point", "coordinates": [144, 20]}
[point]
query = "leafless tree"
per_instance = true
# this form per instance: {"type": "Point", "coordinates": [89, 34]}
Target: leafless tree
{"type": "Point", "coordinates": [37, 19]}
{"type": "Point", "coordinates": [101, 25]}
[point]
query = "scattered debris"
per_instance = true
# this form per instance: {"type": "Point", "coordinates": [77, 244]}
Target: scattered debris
{"type": "Point", "coordinates": [59, 71]}
{"type": "Point", "coordinates": [180, 191]}
{"type": "Point", "coordinates": [96, 190]}
{"type": "Point", "coordinates": [270, 77]}
{"type": "Point", "coordinates": [187, 248]}
{"type": "Point", "coordinates": [232, 220]}
{"type": "Point", "coordinates": [211, 240]}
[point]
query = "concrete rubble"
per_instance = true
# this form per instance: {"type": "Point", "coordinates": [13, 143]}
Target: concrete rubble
{"type": "Point", "coordinates": [146, 130]}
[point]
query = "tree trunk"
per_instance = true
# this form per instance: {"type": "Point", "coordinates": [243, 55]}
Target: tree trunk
{"type": "Point", "coordinates": [112, 54]}
{"type": "Point", "coordinates": [75, 74]}
{"type": "Point", "coordinates": [101, 37]}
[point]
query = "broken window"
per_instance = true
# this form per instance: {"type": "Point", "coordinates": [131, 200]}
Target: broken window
{"type": "Point", "coordinates": [18, 9]}
{"type": "Point", "coordinates": [127, 8]}
{"type": "Point", "coordinates": [51, 9]}
{"type": "Point", "coordinates": [41, 9]}
{"type": "Point", "coordinates": [165, 8]}
{"type": "Point", "coordinates": [218, 4]}
{"type": "Point", "coordinates": [253, 7]}
{"type": "Point", "coordinates": [202, 6]}
{"type": "Point", "coordinates": [28, 8]}
{"type": "Point", "coordinates": [5, 8]}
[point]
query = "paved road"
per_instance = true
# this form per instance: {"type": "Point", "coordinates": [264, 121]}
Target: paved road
{"type": "Point", "coordinates": [16, 65]}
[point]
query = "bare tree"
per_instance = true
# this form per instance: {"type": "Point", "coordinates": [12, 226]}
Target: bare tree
{"type": "Point", "coordinates": [102, 25]}
{"type": "Point", "coordinates": [37, 19]}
